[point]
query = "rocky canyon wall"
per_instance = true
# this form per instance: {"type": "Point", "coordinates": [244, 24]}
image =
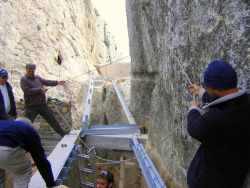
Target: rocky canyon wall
{"type": "Point", "coordinates": [164, 34]}
{"type": "Point", "coordinates": [34, 31]}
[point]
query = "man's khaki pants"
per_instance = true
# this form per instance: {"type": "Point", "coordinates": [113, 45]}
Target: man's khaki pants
{"type": "Point", "coordinates": [15, 160]}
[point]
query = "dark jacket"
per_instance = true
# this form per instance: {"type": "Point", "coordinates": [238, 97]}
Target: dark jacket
{"type": "Point", "coordinates": [16, 133]}
{"type": "Point", "coordinates": [33, 90]}
{"type": "Point", "coordinates": [3, 114]}
{"type": "Point", "coordinates": [223, 158]}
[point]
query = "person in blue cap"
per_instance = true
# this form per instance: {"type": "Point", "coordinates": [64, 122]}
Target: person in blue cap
{"type": "Point", "coordinates": [7, 101]}
{"type": "Point", "coordinates": [223, 157]}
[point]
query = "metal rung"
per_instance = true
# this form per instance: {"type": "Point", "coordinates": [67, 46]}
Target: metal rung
{"type": "Point", "coordinates": [89, 184]}
{"type": "Point", "coordinates": [84, 156]}
{"type": "Point", "coordinates": [86, 170]}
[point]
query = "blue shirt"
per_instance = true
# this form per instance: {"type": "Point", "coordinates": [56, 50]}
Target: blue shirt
{"type": "Point", "coordinates": [16, 133]}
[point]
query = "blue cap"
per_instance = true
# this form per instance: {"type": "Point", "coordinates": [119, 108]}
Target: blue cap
{"type": "Point", "coordinates": [3, 73]}
{"type": "Point", "coordinates": [220, 75]}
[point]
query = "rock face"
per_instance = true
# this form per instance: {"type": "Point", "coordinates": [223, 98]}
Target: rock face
{"type": "Point", "coordinates": [105, 107]}
{"type": "Point", "coordinates": [34, 31]}
{"type": "Point", "coordinates": [164, 34]}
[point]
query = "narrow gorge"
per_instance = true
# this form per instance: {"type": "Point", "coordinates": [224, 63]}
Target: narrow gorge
{"type": "Point", "coordinates": [170, 43]}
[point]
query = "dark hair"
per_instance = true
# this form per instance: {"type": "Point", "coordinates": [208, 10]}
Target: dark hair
{"type": "Point", "coordinates": [30, 66]}
{"type": "Point", "coordinates": [105, 174]}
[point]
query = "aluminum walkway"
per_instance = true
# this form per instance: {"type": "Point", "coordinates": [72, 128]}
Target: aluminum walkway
{"type": "Point", "coordinates": [117, 136]}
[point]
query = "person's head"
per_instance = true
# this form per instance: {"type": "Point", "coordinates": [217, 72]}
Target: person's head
{"type": "Point", "coordinates": [30, 70]}
{"type": "Point", "coordinates": [219, 78]}
{"type": "Point", "coordinates": [105, 179]}
{"type": "Point", "coordinates": [3, 76]}
{"type": "Point", "coordinates": [24, 120]}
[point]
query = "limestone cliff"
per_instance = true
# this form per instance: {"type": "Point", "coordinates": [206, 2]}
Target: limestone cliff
{"type": "Point", "coordinates": [34, 31]}
{"type": "Point", "coordinates": [195, 32]}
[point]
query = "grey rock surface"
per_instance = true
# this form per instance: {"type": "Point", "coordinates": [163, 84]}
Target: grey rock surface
{"type": "Point", "coordinates": [196, 32]}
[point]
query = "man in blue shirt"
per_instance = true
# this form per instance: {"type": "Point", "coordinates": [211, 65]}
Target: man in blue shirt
{"type": "Point", "coordinates": [7, 102]}
{"type": "Point", "coordinates": [17, 138]}
{"type": "Point", "coordinates": [223, 158]}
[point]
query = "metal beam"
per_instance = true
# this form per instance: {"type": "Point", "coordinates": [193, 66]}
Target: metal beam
{"type": "Point", "coordinates": [124, 105]}
{"type": "Point", "coordinates": [57, 158]}
{"type": "Point", "coordinates": [110, 129]}
{"type": "Point", "coordinates": [87, 107]}
{"type": "Point", "coordinates": [149, 171]}
{"type": "Point", "coordinates": [113, 142]}
{"type": "Point", "coordinates": [63, 175]}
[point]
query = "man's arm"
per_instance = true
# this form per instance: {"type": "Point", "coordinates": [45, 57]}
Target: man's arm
{"type": "Point", "coordinates": [12, 100]}
{"type": "Point", "coordinates": [37, 152]}
{"type": "Point", "coordinates": [197, 124]}
{"type": "Point", "coordinates": [27, 90]}
{"type": "Point", "coordinates": [49, 82]}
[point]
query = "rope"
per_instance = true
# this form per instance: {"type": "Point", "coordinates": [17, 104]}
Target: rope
{"type": "Point", "coordinates": [92, 70]}
{"type": "Point", "coordinates": [58, 111]}
{"type": "Point", "coordinates": [147, 151]}
{"type": "Point", "coordinates": [162, 140]}
{"type": "Point", "coordinates": [106, 163]}
{"type": "Point", "coordinates": [84, 143]}
{"type": "Point", "coordinates": [95, 69]}
{"type": "Point", "coordinates": [108, 160]}
{"type": "Point", "coordinates": [184, 72]}
{"type": "Point", "coordinates": [133, 158]}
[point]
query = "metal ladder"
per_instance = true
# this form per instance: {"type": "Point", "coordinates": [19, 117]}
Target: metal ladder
{"type": "Point", "coordinates": [87, 174]}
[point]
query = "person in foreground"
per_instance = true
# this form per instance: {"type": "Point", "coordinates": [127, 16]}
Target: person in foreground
{"type": "Point", "coordinates": [105, 179]}
{"type": "Point", "coordinates": [16, 138]}
{"type": "Point", "coordinates": [223, 158]}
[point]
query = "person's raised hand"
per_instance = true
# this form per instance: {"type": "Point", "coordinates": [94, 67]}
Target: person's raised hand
{"type": "Point", "coordinates": [194, 104]}
{"type": "Point", "coordinates": [61, 82]}
{"type": "Point", "coordinates": [194, 89]}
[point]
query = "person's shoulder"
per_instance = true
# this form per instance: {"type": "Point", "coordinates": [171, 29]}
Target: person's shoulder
{"type": "Point", "coordinates": [24, 78]}
{"type": "Point", "coordinates": [11, 123]}
{"type": "Point", "coordinates": [18, 123]}
{"type": "Point", "coordinates": [23, 126]}
{"type": "Point", "coordinates": [38, 77]}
